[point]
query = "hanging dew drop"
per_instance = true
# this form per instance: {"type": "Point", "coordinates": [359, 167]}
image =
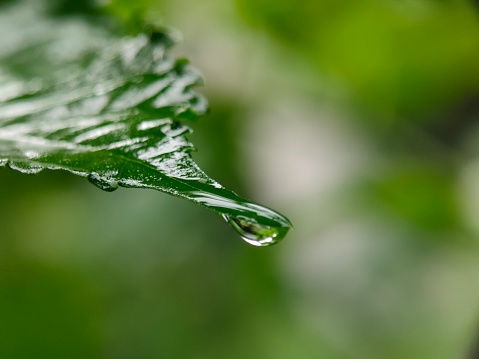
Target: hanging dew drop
{"type": "Point", "coordinates": [104, 183]}
{"type": "Point", "coordinates": [257, 225]}
{"type": "Point", "coordinates": [256, 234]}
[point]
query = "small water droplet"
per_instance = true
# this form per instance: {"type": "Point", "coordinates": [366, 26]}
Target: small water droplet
{"type": "Point", "coordinates": [256, 234]}
{"type": "Point", "coordinates": [32, 155]}
{"type": "Point", "coordinates": [104, 183]}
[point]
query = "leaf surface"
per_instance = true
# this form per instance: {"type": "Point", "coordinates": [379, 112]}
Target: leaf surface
{"type": "Point", "coordinates": [75, 97]}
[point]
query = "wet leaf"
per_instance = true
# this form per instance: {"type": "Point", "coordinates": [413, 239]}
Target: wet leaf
{"type": "Point", "coordinates": [75, 97]}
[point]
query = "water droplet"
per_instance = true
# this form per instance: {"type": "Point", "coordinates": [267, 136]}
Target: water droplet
{"type": "Point", "coordinates": [32, 155]}
{"type": "Point", "coordinates": [256, 224]}
{"type": "Point", "coordinates": [256, 234]}
{"type": "Point", "coordinates": [104, 183]}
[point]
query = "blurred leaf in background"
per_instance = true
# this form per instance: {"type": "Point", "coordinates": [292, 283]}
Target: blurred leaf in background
{"type": "Point", "coordinates": [403, 60]}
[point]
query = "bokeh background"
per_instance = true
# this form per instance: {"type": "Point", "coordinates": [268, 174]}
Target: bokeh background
{"type": "Point", "coordinates": [359, 120]}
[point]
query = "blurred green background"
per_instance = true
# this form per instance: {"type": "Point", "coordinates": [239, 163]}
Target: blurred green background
{"type": "Point", "coordinates": [359, 120]}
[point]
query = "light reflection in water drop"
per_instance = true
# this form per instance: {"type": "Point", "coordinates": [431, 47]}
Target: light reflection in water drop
{"type": "Point", "coordinates": [257, 225]}
{"type": "Point", "coordinates": [255, 233]}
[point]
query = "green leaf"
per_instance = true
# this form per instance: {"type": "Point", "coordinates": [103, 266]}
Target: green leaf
{"type": "Point", "coordinates": [75, 97]}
